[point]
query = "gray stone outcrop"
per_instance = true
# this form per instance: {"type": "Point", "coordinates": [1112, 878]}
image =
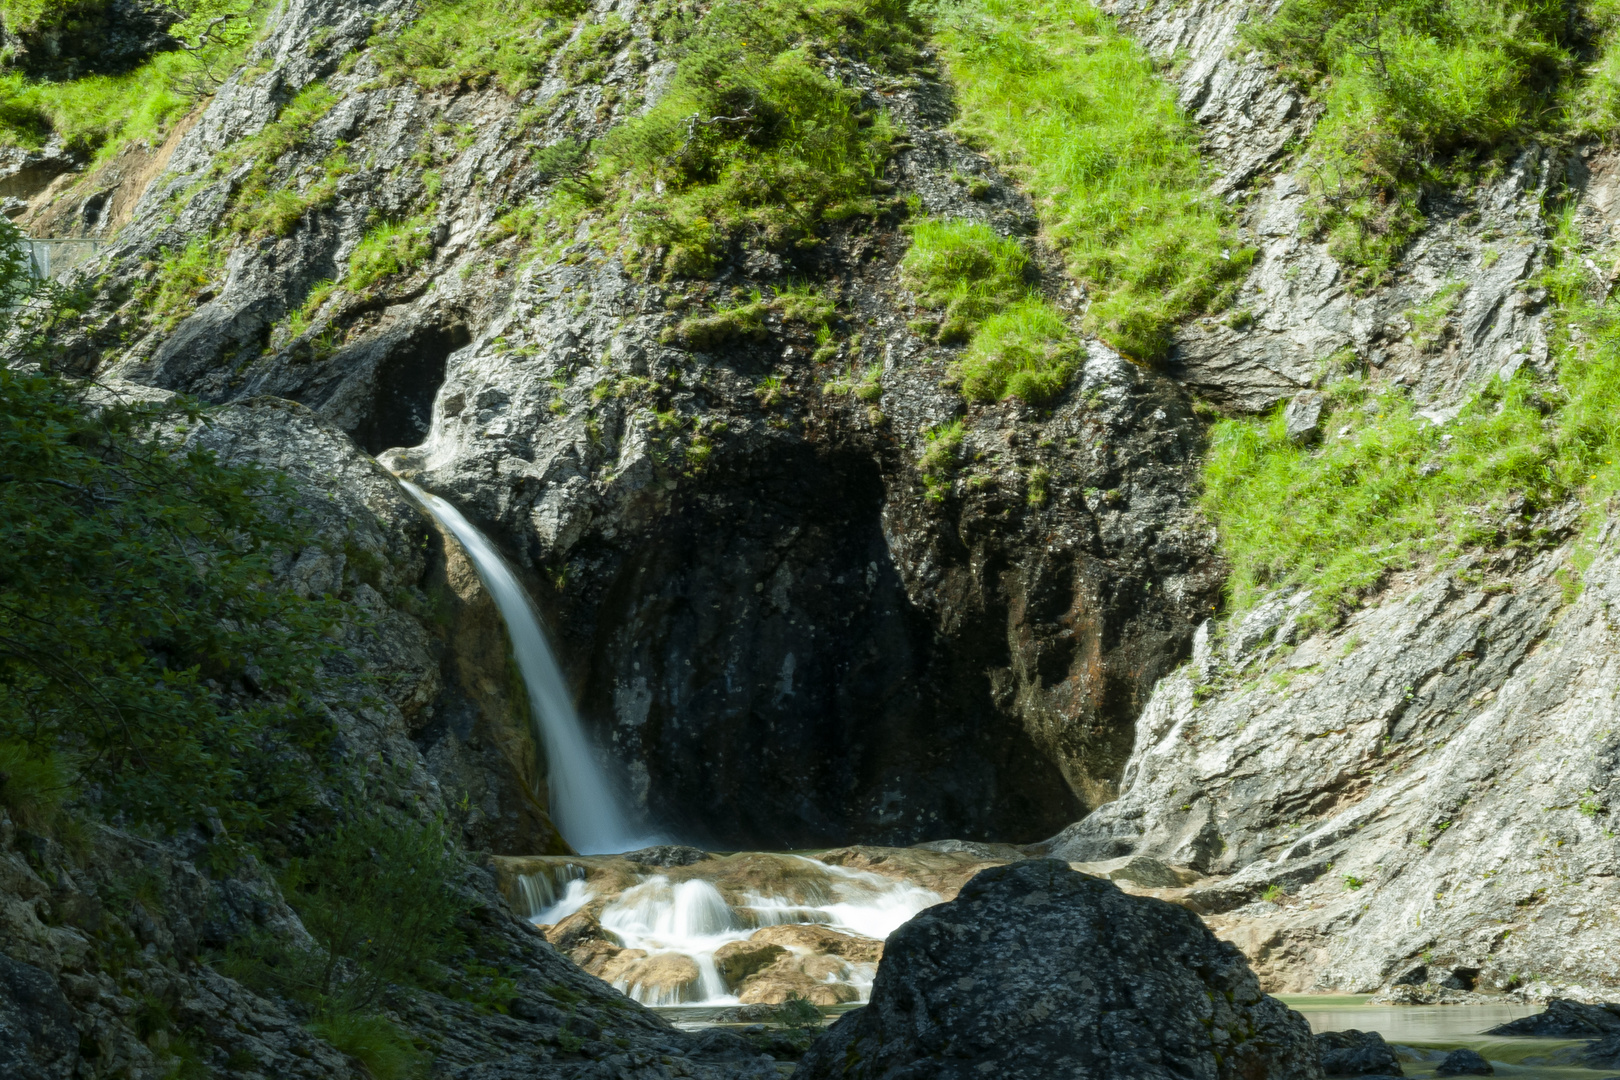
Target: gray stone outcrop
{"type": "Point", "coordinates": [1035, 970]}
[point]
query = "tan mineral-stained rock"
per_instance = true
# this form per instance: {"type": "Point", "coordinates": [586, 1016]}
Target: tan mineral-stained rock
{"type": "Point", "coordinates": [740, 959]}
{"type": "Point", "coordinates": [665, 978]}
{"type": "Point", "coordinates": [787, 978]}
{"type": "Point", "coordinates": [812, 938]}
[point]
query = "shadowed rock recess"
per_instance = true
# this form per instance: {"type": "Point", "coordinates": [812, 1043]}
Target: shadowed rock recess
{"type": "Point", "coordinates": [931, 587]}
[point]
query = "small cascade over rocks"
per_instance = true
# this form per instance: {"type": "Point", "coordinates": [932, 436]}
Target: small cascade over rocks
{"type": "Point", "coordinates": [741, 929]}
{"type": "Point", "coordinates": [584, 806]}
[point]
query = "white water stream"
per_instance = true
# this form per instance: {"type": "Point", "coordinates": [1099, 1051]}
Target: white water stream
{"type": "Point", "coordinates": [693, 919]}
{"type": "Point", "coordinates": [584, 806]}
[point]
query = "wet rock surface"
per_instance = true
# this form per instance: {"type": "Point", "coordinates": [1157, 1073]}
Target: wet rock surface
{"type": "Point", "coordinates": [1356, 1053]}
{"type": "Point", "coordinates": [1036, 970]}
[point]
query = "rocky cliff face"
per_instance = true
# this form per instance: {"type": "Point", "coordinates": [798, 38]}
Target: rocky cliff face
{"type": "Point", "coordinates": [783, 627]}
{"type": "Point", "coordinates": [1420, 795]}
{"type": "Point", "coordinates": [788, 644]}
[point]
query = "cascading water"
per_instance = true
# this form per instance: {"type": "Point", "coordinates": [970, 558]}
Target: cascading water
{"type": "Point", "coordinates": [583, 804]}
{"type": "Point", "coordinates": [655, 916]}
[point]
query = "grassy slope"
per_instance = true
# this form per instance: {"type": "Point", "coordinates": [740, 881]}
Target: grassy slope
{"type": "Point", "coordinates": [1076, 111]}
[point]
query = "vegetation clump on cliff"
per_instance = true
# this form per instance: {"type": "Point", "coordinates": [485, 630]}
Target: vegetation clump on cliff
{"type": "Point", "coordinates": [102, 111]}
{"type": "Point", "coordinates": [1418, 96]}
{"type": "Point", "coordinates": [1390, 486]}
{"type": "Point", "coordinates": [1077, 113]}
{"type": "Point", "coordinates": [1018, 344]}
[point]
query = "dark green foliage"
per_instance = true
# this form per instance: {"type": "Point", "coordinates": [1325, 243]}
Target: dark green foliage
{"type": "Point", "coordinates": [753, 140]}
{"type": "Point", "coordinates": [140, 637]}
{"type": "Point", "coordinates": [377, 893]}
{"type": "Point", "coordinates": [1416, 93]}
{"type": "Point", "coordinates": [145, 653]}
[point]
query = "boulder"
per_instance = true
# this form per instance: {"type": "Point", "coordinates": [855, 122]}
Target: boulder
{"type": "Point", "coordinates": [668, 855]}
{"type": "Point", "coordinates": [1563, 1019]}
{"type": "Point", "coordinates": [1356, 1053]}
{"type": "Point", "coordinates": [664, 979]}
{"type": "Point", "coordinates": [1464, 1062]}
{"type": "Point", "coordinates": [576, 930]}
{"type": "Point", "coordinates": [1303, 416]}
{"type": "Point", "coordinates": [740, 959]}
{"type": "Point", "coordinates": [1150, 873]}
{"type": "Point", "coordinates": [787, 979]}
{"type": "Point", "coordinates": [1035, 970]}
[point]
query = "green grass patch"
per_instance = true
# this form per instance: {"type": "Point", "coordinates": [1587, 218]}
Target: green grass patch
{"type": "Point", "coordinates": [105, 113]}
{"type": "Point", "coordinates": [375, 1042]}
{"type": "Point", "coordinates": [753, 141]}
{"type": "Point", "coordinates": [390, 249]}
{"type": "Point", "coordinates": [477, 42]}
{"type": "Point", "coordinates": [1026, 351]}
{"type": "Point", "coordinates": [33, 784]}
{"type": "Point", "coordinates": [1076, 112]}
{"type": "Point", "coordinates": [1018, 344]}
{"type": "Point", "coordinates": [938, 462]}
{"type": "Point", "coordinates": [1395, 489]}
{"type": "Point", "coordinates": [1419, 93]}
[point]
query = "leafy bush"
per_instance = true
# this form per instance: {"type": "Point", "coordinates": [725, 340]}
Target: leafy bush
{"type": "Point", "coordinates": [473, 42]}
{"type": "Point", "coordinates": [31, 785]}
{"type": "Point", "coordinates": [753, 138]}
{"type": "Point", "coordinates": [378, 896]}
{"type": "Point", "coordinates": [1414, 91]}
{"type": "Point", "coordinates": [140, 637]}
{"type": "Point", "coordinates": [1076, 111]}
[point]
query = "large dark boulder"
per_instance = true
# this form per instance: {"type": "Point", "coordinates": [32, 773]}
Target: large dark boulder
{"type": "Point", "coordinates": [1564, 1019]}
{"type": "Point", "coordinates": [1465, 1062]}
{"type": "Point", "coordinates": [90, 37]}
{"type": "Point", "coordinates": [1356, 1053]}
{"type": "Point", "coordinates": [1035, 970]}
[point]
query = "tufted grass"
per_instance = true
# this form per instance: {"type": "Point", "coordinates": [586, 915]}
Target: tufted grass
{"type": "Point", "coordinates": [1423, 94]}
{"type": "Point", "coordinates": [1077, 113]}
{"type": "Point", "coordinates": [476, 42]}
{"type": "Point", "coordinates": [1018, 344]}
{"type": "Point", "coordinates": [1396, 490]}
{"type": "Point", "coordinates": [753, 141]}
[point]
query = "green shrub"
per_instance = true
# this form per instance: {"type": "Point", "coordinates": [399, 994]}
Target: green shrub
{"type": "Point", "coordinates": [1076, 112]}
{"type": "Point", "coordinates": [473, 42]}
{"type": "Point", "coordinates": [375, 1042]}
{"type": "Point", "coordinates": [136, 607]}
{"type": "Point", "coordinates": [378, 894]}
{"type": "Point", "coordinates": [32, 785]}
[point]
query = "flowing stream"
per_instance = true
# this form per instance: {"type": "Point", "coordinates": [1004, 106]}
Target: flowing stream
{"type": "Point", "coordinates": [584, 806]}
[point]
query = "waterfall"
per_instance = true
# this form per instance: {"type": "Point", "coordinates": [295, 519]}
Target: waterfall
{"type": "Point", "coordinates": [583, 805]}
